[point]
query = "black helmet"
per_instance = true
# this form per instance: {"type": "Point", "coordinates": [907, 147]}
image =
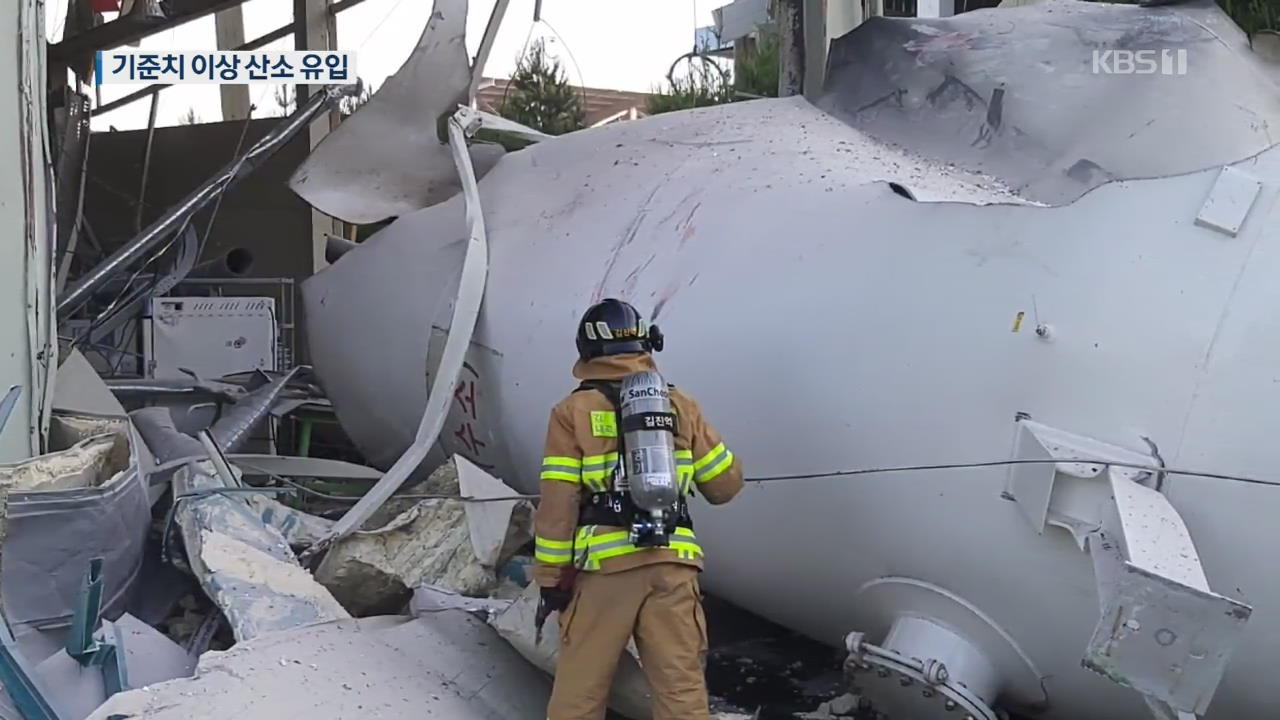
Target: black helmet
{"type": "Point", "coordinates": [613, 327]}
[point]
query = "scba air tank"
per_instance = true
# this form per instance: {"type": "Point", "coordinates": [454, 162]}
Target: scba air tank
{"type": "Point", "coordinates": [648, 428]}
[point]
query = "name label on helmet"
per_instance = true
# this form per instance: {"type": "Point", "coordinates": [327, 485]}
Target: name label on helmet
{"type": "Point", "coordinates": [600, 330]}
{"type": "Point", "coordinates": [604, 424]}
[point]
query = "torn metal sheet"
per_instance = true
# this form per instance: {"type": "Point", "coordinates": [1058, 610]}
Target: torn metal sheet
{"type": "Point", "coordinates": [442, 665]}
{"type": "Point", "coordinates": [255, 464]}
{"type": "Point", "coordinates": [488, 523]}
{"type": "Point", "coordinates": [245, 567]}
{"type": "Point", "coordinates": [148, 658]}
{"type": "Point", "coordinates": [464, 316]}
{"type": "Point", "coordinates": [79, 388]}
{"type": "Point", "coordinates": [1041, 97]}
{"type": "Point", "coordinates": [236, 426]}
{"type": "Point", "coordinates": [389, 158]}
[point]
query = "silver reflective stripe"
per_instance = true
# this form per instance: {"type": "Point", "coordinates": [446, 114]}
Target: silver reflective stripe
{"type": "Point", "coordinates": [612, 544]}
{"type": "Point", "coordinates": [543, 549]}
{"type": "Point", "coordinates": [712, 464]}
{"type": "Point", "coordinates": [598, 467]}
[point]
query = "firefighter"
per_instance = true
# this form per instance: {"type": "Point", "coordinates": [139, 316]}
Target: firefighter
{"type": "Point", "coordinates": [609, 569]}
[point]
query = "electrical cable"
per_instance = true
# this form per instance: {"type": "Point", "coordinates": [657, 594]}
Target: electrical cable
{"type": "Point", "coordinates": [378, 27]}
{"type": "Point", "coordinates": [217, 204]}
{"type": "Point", "coordinates": [1029, 461]}
{"type": "Point", "coordinates": [354, 499]}
{"type": "Point", "coordinates": [582, 79]}
{"type": "Point", "coordinates": [838, 474]}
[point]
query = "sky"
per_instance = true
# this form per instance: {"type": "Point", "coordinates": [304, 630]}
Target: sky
{"type": "Point", "coordinates": [617, 44]}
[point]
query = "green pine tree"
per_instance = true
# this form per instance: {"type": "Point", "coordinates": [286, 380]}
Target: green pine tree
{"type": "Point", "coordinates": [540, 96]}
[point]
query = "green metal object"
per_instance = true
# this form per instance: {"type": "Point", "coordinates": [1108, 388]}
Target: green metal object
{"type": "Point", "coordinates": [20, 680]}
{"type": "Point", "coordinates": [304, 437]}
{"type": "Point", "coordinates": [94, 643]}
{"type": "Point", "coordinates": [88, 615]}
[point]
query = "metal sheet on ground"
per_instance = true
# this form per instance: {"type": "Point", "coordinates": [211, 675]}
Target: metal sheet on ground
{"type": "Point", "coordinates": [444, 665]}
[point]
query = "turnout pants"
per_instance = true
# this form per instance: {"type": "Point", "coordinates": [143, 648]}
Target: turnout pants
{"type": "Point", "coordinates": [661, 606]}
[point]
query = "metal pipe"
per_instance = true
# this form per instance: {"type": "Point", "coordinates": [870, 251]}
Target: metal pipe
{"type": "Point", "coordinates": [487, 40]}
{"type": "Point", "coordinates": [146, 163]}
{"type": "Point", "coordinates": [201, 196]}
{"type": "Point", "coordinates": [220, 465]}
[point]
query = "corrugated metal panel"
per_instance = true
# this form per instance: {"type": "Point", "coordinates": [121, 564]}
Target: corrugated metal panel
{"type": "Point", "coordinates": [25, 323]}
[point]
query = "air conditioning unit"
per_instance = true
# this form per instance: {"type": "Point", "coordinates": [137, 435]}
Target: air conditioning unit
{"type": "Point", "coordinates": [210, 336]}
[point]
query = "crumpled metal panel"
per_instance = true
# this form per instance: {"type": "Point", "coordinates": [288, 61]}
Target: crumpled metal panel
{"type": "Point", "coordinates": [1013, 92]}
{"type": "Point", "coordinates": [52, 536]}
{"type": "Point", "coordinates": [389, 158]}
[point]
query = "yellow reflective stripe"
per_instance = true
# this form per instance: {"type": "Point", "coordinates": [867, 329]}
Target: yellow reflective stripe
{"type": "Point", "coordinates": [566, 469]}
{"type": "Point", "coordinates": [597, 470]}
{"type": "Point", "coordinates": [616, 544]}
{"type": "Point", "coordinates": [684, 471]}
{"type": "Point", "coordinates": [719, 468]}
{"type": "Point", "coordinates": [712, 464]}
{"type": "Point", "coordinates": [552, 552]}
{"type": "Point", "coordinates": [558, 460]}
{"type": "Point", "coordinates": [590, 460]}
{"type": "Point", "coordinates": [691, 548]}
{"type": "Point", "coordinates": [706, 459]}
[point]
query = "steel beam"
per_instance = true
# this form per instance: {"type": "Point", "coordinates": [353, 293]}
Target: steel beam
{"type": "Point", "coordinates": [229, 29]}
{"type": "Point", "coordinates": [177, 216]}
{"type": "Point", "coordinates": [128, 29]}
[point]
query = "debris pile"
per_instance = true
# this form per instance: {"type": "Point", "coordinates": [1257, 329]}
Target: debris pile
{"type": "Point", "coordinates": [431, 543]}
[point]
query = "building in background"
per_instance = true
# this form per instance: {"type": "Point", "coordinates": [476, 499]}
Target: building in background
{"type": "Point", "coordinates": [602, 106]}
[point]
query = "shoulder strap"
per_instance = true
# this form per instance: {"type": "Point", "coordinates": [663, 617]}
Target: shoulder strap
{"type": "Point", "coordinates": [611, 389]}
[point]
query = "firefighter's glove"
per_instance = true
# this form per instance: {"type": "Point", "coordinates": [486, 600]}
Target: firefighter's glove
{"type": "Point", "coordinates": [555, 599]}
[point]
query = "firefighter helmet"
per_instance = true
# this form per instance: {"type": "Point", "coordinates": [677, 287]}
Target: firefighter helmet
{"type": "Point", "coordinates": [613, 327]}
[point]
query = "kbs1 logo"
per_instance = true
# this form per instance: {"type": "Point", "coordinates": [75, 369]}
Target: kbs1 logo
{"type": "Point", "coordinates": [1140, 62]}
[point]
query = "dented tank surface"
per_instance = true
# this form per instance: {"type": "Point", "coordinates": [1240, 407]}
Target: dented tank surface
{"type": "Point", "coordinates": [1060, 97]}
{"type": "Point", "coordinates": [825, 321]}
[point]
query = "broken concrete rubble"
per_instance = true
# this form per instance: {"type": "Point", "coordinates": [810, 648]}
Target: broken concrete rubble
{"type": "Point", "coordinates": [374, 571]}
{"type": "Point", "coordinates": [89, 463]}
{"type": "Point", "coordinates": [446, 665]}
{"type": "Point", "coordinates": [245, 567]}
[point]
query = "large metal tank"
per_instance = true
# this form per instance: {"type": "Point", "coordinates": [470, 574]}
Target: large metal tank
{"type": "Point", "coordinates": [836, 302]}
